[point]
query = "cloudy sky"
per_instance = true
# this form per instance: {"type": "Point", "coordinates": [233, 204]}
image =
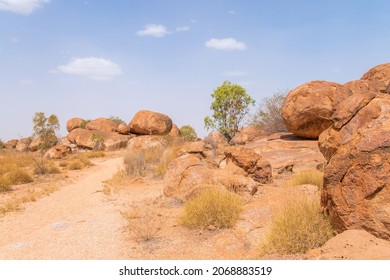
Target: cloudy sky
{"type": "Point", "coordinates": [100, 58]}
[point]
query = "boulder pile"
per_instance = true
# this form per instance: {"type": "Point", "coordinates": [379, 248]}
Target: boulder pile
{"type": "Point", "coordinates": [353, 126]}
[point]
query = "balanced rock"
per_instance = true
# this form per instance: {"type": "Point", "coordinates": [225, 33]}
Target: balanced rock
{"type": "Point", "coordinates": [150, 123]}
{"type": "Point", "coordinates": [102, 124]}
{"type": "Point", "coordinates": [74, 123]}
{"type": "Point", "coordinates": [307, 109]}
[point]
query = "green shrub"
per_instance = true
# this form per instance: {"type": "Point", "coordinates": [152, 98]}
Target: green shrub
{"type": "Point", "coordinates": [117, 120]}
{"type": "Point", "coordinates": [98, 141]}
{"type": "Point", "coordinates": [2, 145]}
{"type": "Point", "coordinates": [84, 123]}
{"type": "Point", "coordinates": [188, 133]}
{"type": "Point", "coordinates": [298, 227]}
{"type": "Point", "coordinates": [212, 207]}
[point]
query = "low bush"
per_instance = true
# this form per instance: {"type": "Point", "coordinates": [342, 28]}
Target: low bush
{"type": "Point", "coordinates": [310, 176]}
{"type": "Point", "coordinates": [212, 207]}
{"type": "Point", "coordinates": [5, 185]}
{"type": "Point", "coordinates": [268, 116]}
{"type": "Point", "coordinates": [188, 133]}
{"type": "Point", "coordinates": [298, 227]}
{"type": "Point", "coordinates": [18, 176]}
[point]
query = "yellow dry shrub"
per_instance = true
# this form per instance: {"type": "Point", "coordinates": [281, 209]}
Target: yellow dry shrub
{"type": "Point", "coordinates": [296, 228]}
{"type": "Point", "coordinates": [212, 207]}
{"type": "Point", "coordinates": [310, 176]}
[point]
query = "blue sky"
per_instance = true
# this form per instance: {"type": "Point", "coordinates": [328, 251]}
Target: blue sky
{"type": "Point", "coordinates": [100, 58]}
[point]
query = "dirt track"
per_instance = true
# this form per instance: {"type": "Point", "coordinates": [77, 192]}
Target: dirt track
{"type": "Point", "coordinates": [76, 222]}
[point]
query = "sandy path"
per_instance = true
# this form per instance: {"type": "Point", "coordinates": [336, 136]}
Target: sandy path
{"type": "Point", "coordinates": [76, 222]}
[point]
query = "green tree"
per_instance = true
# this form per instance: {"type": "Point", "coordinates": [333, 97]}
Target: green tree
{"type": "Point", "coordinates": [268, 116]}
{"type": "Point", "coordinates": [231, 105]}
{"type": "Point", "coordinates": [45, 128]}
{"type": "Point", "coordinates": [188, 133]}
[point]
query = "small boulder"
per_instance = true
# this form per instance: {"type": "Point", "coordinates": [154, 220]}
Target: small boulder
{"type": "Point", "coordinates": [150, 123]}
{"type": "Point", "coordinates": [257, 168]}
{"type": "Point", "coordinates": [379, 73]}
{"type": "Point", "coordinates": [102, 124]}
{"type": "Point", "coordinates": [307, 109]}
{"type": "Point", "coordinates": [74, 123]}
{"type": "Point", "coordinates": [58, 151]}
{"type": "Point", "coordinates": [123, 129]}
{"type": "Point", "coordinates": [175, 131]}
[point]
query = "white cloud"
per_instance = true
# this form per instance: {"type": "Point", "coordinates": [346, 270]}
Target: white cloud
{"type": "Point", "coordinates": [24, 7]}
{"type": "Point", "coordinates": [235, 73]}
{"type": "Point", "coordinates": [92, 67]}
{"type": "Point", "coordinates": [182, 29]}
{"type": "Point", "coordinates": [155, 30]}
{"type": "Point", "coordinates": [227, 44]}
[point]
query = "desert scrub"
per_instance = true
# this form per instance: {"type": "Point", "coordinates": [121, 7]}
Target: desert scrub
{"type": "Point", "coordinates": [311, 176]}
{"type": "Point", "coordinates": [212, 207]}
{"type": "Point", "coordinates": [76, 162]}
{"type": "Point", "coordinates": [94, 154]}
{"type": "Point", "coordinates": [143, 227]}
{"type": "Point", "coordinates": [17, 176]}
{"type": "Point", "coordinates": [5, 185]}
{"type": "Point", "coordinates": [296, 228]}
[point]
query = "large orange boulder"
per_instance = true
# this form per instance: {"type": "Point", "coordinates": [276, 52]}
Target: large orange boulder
{"type": "Point", "coordinates": [23, 145]}
{"type": "Point", "coordinates": [11, 144]}
{"type": "Point", "coordinates": [74, 123]}
{"type": "Point", "coordinates": [102, 124]}
{"type": "Point", "coordinates": [150, 123]}
{"type": "Point", "coordinates": [356, 192]}
{"type": "Point", "coordinates": [308, 109]}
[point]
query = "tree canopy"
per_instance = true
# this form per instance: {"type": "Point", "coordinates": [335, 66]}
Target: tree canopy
{"type": "Point", "coordinates": [230, 106]}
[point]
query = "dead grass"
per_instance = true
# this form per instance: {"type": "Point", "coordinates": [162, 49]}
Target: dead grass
{"type": "Point", "coordinates": [143, 227]}
{"type": "Point", "coordinates": [296, 228]}
{"type": "Point", "coordinates": [212, 207]}
{"type": "Point", "coordinates": [311, 176]}
{"type": "Point", "coordinates": [94, 154]}
{"type": "Point", "coordinates": [76, 162]}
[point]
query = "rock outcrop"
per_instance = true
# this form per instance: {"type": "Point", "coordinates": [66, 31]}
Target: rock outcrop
{"type": "Point", "coordinates": [379, 73]}
{"type": "Point", "coordinates": [246, 135]}
{"type": "Point", "coordinates": [23, 145]}
{"type": "Point", "coordinates": [357, 178]}
{"type": "Point", "coordinates": [308, 109]}
{"type": "Point", "coordinates": [150, 123]}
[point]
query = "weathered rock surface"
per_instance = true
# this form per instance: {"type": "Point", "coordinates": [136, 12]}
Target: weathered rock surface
{"type": "Point", "coordinates": [246, 135]}
{"type": "Point", "coordinates": [97, 139]}
{"type": "Point", "coordinates": [74, 123]}
{"type": "Point", "coordinates": [23, 145]}
{"type": "Point", "coordinates": [216, 139]}
{"type": "Point", "coordinates": [366, 86]}
{"type": "Point", "coordinates": [102, 124]}
{"type": "Point", "coordinates": [357, 178]}
{"type": "Point", "coordinates": [308, 109]}
{"type": "Point", "coordinates": [175, 131]}
{"type": "Point", "coordinates": [150, 123]}
{"type": "Point", "coordinates": [257, 168]}
{"type": "Point", "coordinates": [379, 73]}
{"type": "Point", "coordinates": [352, 245]}
{"type": "Point", "coordinates": [351, 114]}
{"type": "Point", "coordinates": [58, 151]}
{"type": "Point", "coordinates": [147, 142]}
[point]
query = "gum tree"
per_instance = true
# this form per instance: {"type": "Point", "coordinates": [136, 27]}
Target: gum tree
{"type": "Point", "coordinates": [230, 106]}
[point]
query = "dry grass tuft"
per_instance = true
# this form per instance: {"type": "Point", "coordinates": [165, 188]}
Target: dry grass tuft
{"type": "Point", "coordinates": [17, 176]}
{"type": "Point", "coordinates": [76, 162]}
{"type": "Point", "coordinates": [143, 228]}
{"type": "Point", "coordinates": [311, 176]}
{"type": "Point", "coordinates": [296, 228]}
{"type": "Point", "coordinates": [212, 207]}
{"type": "Point", "coordinates": [94, 154]}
